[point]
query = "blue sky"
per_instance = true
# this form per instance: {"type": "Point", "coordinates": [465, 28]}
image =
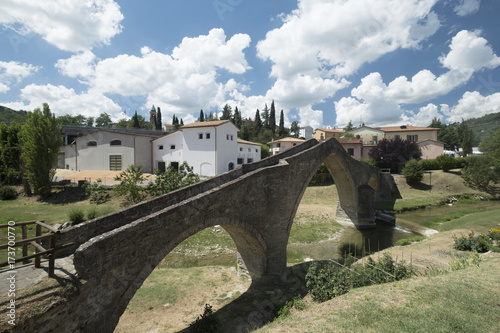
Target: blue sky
{"type": "Point", "coordinates": [324, 62]}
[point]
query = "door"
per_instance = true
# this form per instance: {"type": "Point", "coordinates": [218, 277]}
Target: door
{"type": "Point", "coordinates": [115, 162]}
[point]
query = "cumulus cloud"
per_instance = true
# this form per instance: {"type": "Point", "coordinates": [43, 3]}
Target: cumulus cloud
{"type": "Point", "coordinates": [473, 105]}
{"type": "Point", "coordinates": [81, 65]}
{"type": "Point", "coordinates": [467, 7]}
{"type": "Point", "coordinates": [70, 25]}
{"type": "Point", "coordinates": [66, 101]}
{"type": "Point", "coordinates": [14, 72]}
{"type": "Point", "coordinates": [469, 53]}
{"type": "Point", "coordinates": [337, 37]}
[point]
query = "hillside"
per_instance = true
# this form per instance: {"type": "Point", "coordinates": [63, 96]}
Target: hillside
{"type": "Point", "coordinates": [8, 115]}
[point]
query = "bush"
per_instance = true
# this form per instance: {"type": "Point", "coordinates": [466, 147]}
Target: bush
{"type": "Point", "coordinates": [350, 249]}
{"type": "Point", "coordinates": [7, 193]}
{"type": "Point", "coordinates": [479, 171]}
{"type": "Point", "coordinates": [130, 181]}
{"type": "Point", "coordinates": [76, 215]}
{"type": "Point", "coordinates": [445, 162]}
{"type": "Point", "coordinates": [494, 234]}
{"type": "Point", "coordinates": [469, 242]}
{"type": "Point", "coordinates": [92, 213]}
{"type": "Point", "coordinates": [413, 171]}
{"type": "Point", "coordinates": [430, 165]}
{"type": "Point", "coordinates": [327, 279]}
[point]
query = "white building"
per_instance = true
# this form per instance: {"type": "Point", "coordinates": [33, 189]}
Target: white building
{"type": "Point", "coordinates": [107, 150]}
{"type": "Point", "coordinates": [278, 146]}
{"type": "Point", "coordinates": [210, 147]}
{"type": "Point", "coordinates": [306, 132]}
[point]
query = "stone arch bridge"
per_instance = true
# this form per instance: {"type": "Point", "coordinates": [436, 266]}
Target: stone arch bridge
{"type": "Point", "coordinates": [255, 204]}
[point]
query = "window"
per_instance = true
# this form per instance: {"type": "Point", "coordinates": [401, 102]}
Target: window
{"type": "Point", "coordinates": [232, 137]}
{"type": "Point", "coordinates": [230, 166]}
{"type": "Point", "coordinates": [279, 145]}
{"type": "Point", "coordinates": [227, 136]}
{"type": "Point", "coordinates": [161, 167]}
{"type": "Point", "coordinates": [207, 135]}
{"type": "Point", "coordinates": [92, 144]}
{"type": "Point", "coordinates": [160, 147]}
{"type": "Point", "coordinates": [241, 149]}
{"type": "Point", "coordinates": [294, 144]}
{"type": "Point", "coordinates": [374, 139]}
{"type": "Point", "coordinates": [350, 151]}
{"type": "Point", "coordinates": [249, 160]}
{"type": "Point", "coordinates": [115, 143]}
{"type": "Point", "coordinates": [200, 136]}
{"type": "Point", "coordinates": [172, 146]}
{"type": "Point", "coordinates": [397, 136]}
{"type": "Point", "coordinates": [175, 165]}
{"type": "Point", "coordinates": [240, 161]}
{"type": "Point", "coordinates": [256, 150]}
{"type": "Point", "coordinates": [412, 138]}
{"type": "Point", "coordinates": [249, 150]}
{"type": "Point", "coordinates": [115, 162]}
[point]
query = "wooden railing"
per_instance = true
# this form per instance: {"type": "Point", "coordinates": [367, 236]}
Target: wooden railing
{"type": "Point", "coordinates": [36, 242]}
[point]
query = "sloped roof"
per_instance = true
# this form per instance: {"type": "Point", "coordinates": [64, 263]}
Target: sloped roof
{"type": "Point", "coordinates": [249, 142]}
{"type": "Point", "coordinates": [349, 140]}
{"type": "Point", "coordinates": [405, 128]}
{"type": "Point", "coordinates": [288, 140]}
{"type": "Point", "coordinates": [213, 123]}
{"type": "Point", "coordinates": [330, 130]}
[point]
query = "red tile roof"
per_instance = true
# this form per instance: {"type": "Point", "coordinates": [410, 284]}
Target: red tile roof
{"type": "Point", "coordinates": [206, 124]}
{"type": "Point", "coordinates": [405, 128]}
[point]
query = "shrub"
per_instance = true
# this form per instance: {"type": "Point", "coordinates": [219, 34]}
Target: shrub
{"type": "Point", "coordinates": [494, 234]}
{"type": "Point", "coordinates": [7, 193]}
{"type": "Point", "coordinates": [97, 192]}
{"type": "Point", "coordinates": [479, 171]}
{"type": "Point", "coordinates": [76, 215]}
{"type": "Point", "coordinates": [468, 242]}
{"type": "Point", "coordinates": [445, 162]}
{"type": "Point", "coordinates": [129, 186]}
{"type": "Point", "coordinates": [413, 171]}
{"type": "Point", "coordinates": [92, 213]}
{"type": "Point", "coordinates": [350, 249]}
{"type": "Point", "coordinates": [206, 323]}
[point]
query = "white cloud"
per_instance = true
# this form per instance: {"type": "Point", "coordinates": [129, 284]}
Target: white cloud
{"type": "Point", "coordinates": [469, 52]}
{"type": "Point", "coordinates": [473, 105]}
{"type": "Point", "coordinates": [423, 117]}
{"type": "Point", "coordinates": [14, 71]}
{"type": "Point", "coordinates": [466, 7]}
{"type": "Point", "coordinates": [337, 37]}
{"type": "Point", "coordinates": [66, 101]}
{"type": "Point", "coordinates": [79, 65]}
{"type": "Point", "coordinates": [70, 25]}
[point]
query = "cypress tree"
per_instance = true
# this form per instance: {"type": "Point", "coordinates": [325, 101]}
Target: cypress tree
{"type": "Point", "coordinates": [158, 123]}
{"type": "Point", "coordinates": [265, 118]}
{"type": "Point", "coordinates": [257, 124]}
{"type": "Point", "coordinates": [272, 118]}
{"type": "Point", "coordinates": [135, 119]}
{"type": "Point", "coordinates": [202, 116]}
{"type": "Point", "coordinates": [281, 130]}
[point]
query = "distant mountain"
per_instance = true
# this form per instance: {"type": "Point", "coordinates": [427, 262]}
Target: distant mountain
{"type": "Point", "coordinates": [484, 125]}
{"type": "Point", "coordinates": [8, 115]}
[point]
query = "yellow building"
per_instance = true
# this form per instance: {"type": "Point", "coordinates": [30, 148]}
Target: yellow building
{"type": "Point", "coordinates": [322, 134]}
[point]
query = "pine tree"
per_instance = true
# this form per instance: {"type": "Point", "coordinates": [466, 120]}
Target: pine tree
{"type": "Point", "coordinates": [40, 140]}
{"type": "Point", "coordinates": [349, 126]}
{"type": "Point", "coordinates": [182, 122]}
{"type": "Point", "coordinates": [202, 116]}
{"type": "Point", "coordinates": [272, 118]}
{"type": "Point", "coordinates": [281, 129]}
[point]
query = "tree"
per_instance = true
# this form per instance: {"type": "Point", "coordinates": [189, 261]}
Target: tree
{"type": "Point", "coordinates": [90, 122]}
{"type": "Point", "coordinates": [135, 121]}
{"type": "Point", "coordinates": [491, 145]}
{"type": "Point", "coordinates": [394, 153]}
{"type": "Point", "coordinates": [264, 116]}
{"type": "Point", "coordinates": [9, 153]}
{"type": "Point", "coordinates": [172, 179]}
{"type": "Point", "coordinates": [104, 120]}
{"type": "Point", "coordinates": [158, 122]}
{"type": "Point", "coordinates": [281, 128]}
{"type": "Point", "coordinates": [237, 117]}
{"type": "Point", "coordinates": [257, 124]}
{"type": "Point", "coordinates": [413, 171]}
{"type": "Point", "coordinates": [272, 118]}
{"type": "Point", "coordinates": [227, 113]}
{"type": "Point", "coordinates": [202, 116]}
{"type": "Point", "coordinates": [294, 128]}
{"type": "Point", "coordinates": [467, 137]}
{"type": "Point", "coordinates": [130, 181]}
{"type": "Point", "coordinates": [40, 140]}
{"type": "Point", "coordinates": [349, 126]}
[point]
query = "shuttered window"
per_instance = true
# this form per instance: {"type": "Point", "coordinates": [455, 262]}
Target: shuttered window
{"type": "Point", "coordinates": [115, 162]}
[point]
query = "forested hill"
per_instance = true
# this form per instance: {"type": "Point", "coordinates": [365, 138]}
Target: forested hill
{"type": "Point", "coordinates": [8, 115]}
{"type": "Point", "coordinates": [484, 125]}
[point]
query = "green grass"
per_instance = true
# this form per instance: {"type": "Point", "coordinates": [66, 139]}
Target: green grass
{"type": "Point", "coordinates": [309, 228]}
{"type": "Point", "coordinates": [479, 220]}
{"type": "Point", "coordinates": [462, 301]}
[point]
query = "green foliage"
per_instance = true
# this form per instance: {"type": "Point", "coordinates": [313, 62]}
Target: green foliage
{"type": "Point", "coordinates": [206, 323]}
{"type": "Point", "coordinates": [494, 234]}
{"type": "Point", "coordinates": [104, 120]}
{"type": "Point", "coordinates": [370, 161]}
{"type": "Point", "coordinates": [480, 171]}
{"type": "Point", "coordinates": [9, 154]}
{"type": "Point", "coordinates": [470, 242]}
{"type": "Point", "coordinates": [297, 302]}
{"type": "Point", "coordinates": [350, 249]}
{"type": "Point", "coordinates": [322, 176]}
{"type": "Point", "coordinates": [408, 241]}
{"type": "Point", "coordinates": [97, 192]}
{"type": "Point", "coordinates": [7, 193]}
{"type": "Point", "coordinates": [76, 215]}
{"type": "Point", "coordinates": [265, 151]}
{"type": "Point", "coordinates": [445, 162]}
{"type": "Point", "coordinates": [326, 280]}
{"type": "Point", "coordinates": [413, 172]}
{"type": "Point", "coordinates": [172, 179]}
{"type": "Point", "coordinates": [40, 140]}
{"type": "Point", "coordinates": [92, 212]}
{"type": "Point", "coordinates": [130, 181]}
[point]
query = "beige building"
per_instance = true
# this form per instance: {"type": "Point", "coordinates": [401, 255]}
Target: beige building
{"type": "Point", "coordinates": [281, 145]}
{"type": "Point", "coordinates": [431, 149]}
{"type": "Point", "coordinates": [368, 135]}
{"type": "Point", "coordinates": [323, 134]}
{"type": "Point", "coordinates": [410, 133]}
